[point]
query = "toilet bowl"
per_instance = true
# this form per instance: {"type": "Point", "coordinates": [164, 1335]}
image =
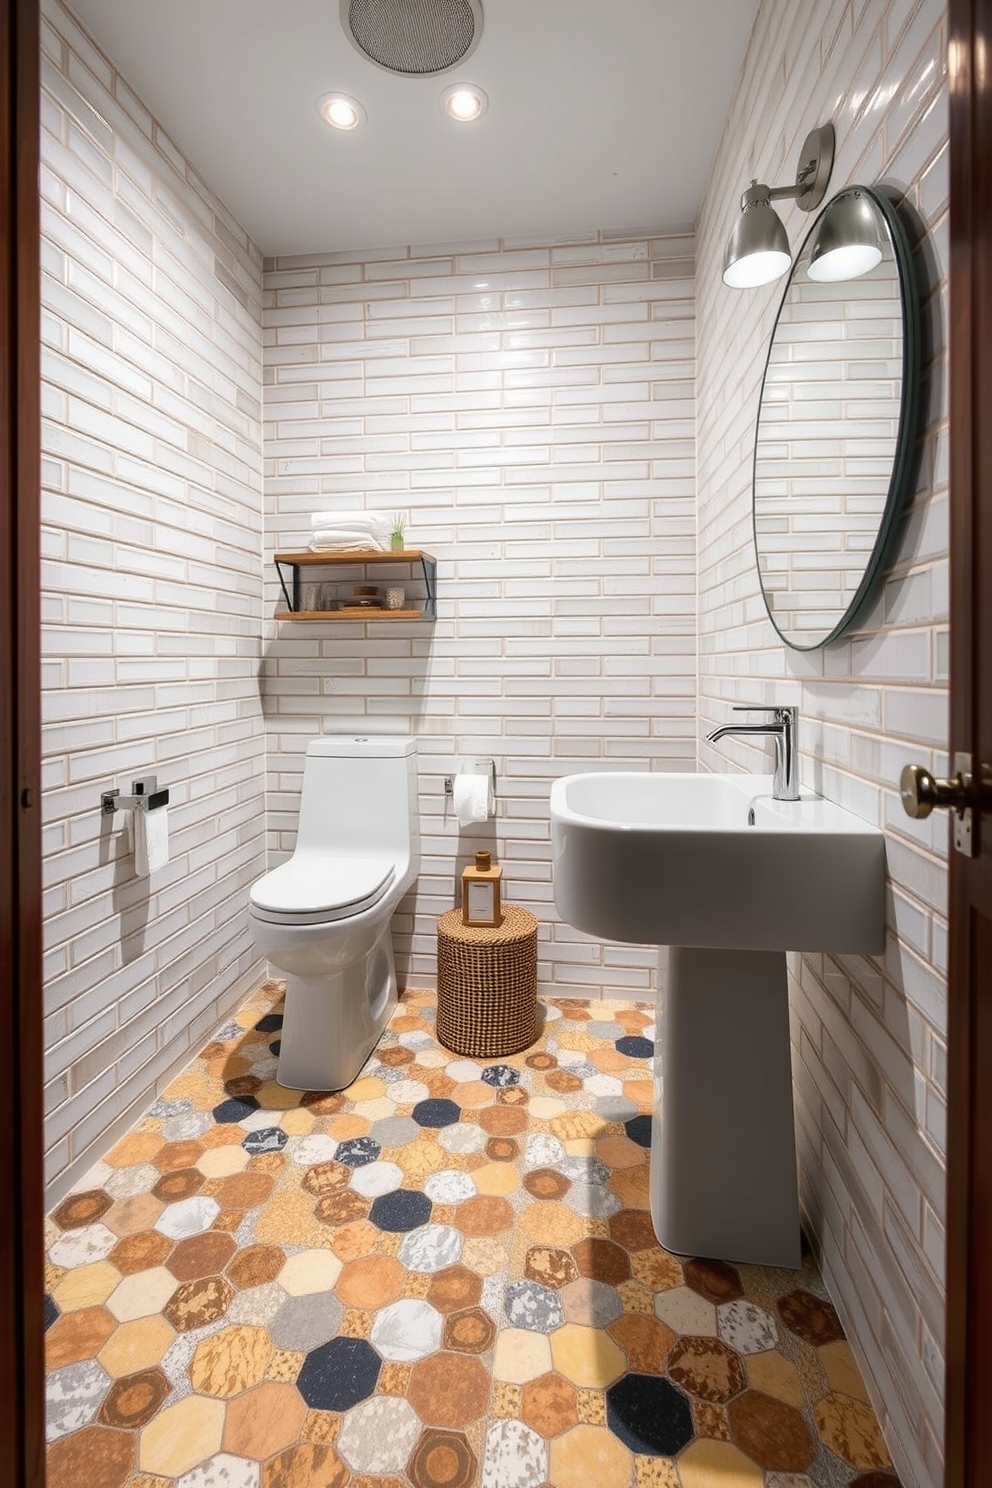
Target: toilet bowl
{"type": "Point", "coordinates": [323, 917]}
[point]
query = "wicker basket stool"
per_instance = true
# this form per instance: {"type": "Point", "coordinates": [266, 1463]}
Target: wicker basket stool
{"type": "Point", "coordinates": [487, 984]}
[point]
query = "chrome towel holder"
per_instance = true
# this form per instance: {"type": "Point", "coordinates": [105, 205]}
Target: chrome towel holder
{"type": "Point", "coordinates": [145, 796]}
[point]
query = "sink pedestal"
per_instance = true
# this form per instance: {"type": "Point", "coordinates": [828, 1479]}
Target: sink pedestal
{"type": "Point", "coordinates": [723, 1147]}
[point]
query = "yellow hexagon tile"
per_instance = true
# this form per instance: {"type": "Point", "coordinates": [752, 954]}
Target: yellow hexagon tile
{"type": "Point", "coordinates": [587, 1356]}
{"type": "Point", "coordinates": [136, 1345]}
{"type": "Point", "coordinates": [545, 1107]}
{"type": "Point", "coordinates": [841, 1368]}
{"type": "Point", "coordinates": [221, 1162]}
{"type": "Point", "coordinates": [182, 1436]}
{"type": "Point", "coordinates": [685, 1311]}
{"type": "Point", "coordinates": [86, 1286]}
{"type": "Point", "coordinates": [774, 1374]}
{"type": "Point", "coordinates": [584, 1147]}
{"type": "Point", "coordinates": [485, 1254]}
{"type": "Point", "coordinates": [521, 1356]}
{"type": "Point", "coordinates": [310, 1271]}
{"type": "Point", "coordinates": [375, 1110]}
{"type": "Point", "coordinates": [370, 1087]}
{"type": "Point", "coordinates": [298, 1122]}
{"type": "Point", "coordinates": [498, 1178]}
{"type": "Point", "coordinates": [706, 1463]}
{"type": "Point", "coordinates": [590, 1454]}
{"type": "Point", "coordinates": [141, 1294]}
{"type": "Point", "coordinates": [275, 1097]}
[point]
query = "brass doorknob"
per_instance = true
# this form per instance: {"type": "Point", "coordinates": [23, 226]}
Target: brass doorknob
{"type": "Point", "coordinates": [921, 791]}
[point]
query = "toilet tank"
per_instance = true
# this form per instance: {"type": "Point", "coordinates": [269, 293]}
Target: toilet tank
{"type": "Point", "coordinates": [360, 796]}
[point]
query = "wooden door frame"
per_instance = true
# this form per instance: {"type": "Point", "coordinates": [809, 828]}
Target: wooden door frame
{"type": "Point", "coordinates": [21, 1114]}
{"type": "Point", "coordinates": [968, 1442]}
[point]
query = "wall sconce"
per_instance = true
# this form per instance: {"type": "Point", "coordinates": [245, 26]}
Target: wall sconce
{"type": "Point", "coordinates": [758, 248]}
{"type": "Point", "coordinates": [845, 244]}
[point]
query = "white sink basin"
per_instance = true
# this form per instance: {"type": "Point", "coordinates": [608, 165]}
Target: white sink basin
{"type": "Point", "coordinates": [714, 861]}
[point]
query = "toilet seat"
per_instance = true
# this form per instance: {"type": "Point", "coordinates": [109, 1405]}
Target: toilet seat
{"type": "Point", "coordinates": [311, 890]}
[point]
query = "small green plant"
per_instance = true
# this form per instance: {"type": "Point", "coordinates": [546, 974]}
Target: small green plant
{"type": "Point", "coordinates": [397, 534]}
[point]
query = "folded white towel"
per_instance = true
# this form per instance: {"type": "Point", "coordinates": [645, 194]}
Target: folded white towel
{"type": "Point", "coordinates": [365, 520]}
{"type": "Point", "coordinates": [332, 541]}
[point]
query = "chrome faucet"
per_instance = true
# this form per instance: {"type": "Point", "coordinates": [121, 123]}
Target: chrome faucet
{"type": "Point", "coordinates": [784, 729]}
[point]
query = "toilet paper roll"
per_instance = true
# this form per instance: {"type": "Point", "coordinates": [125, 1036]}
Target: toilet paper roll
{"type": "Point", "coordinates": [151, 840]}
{"type": "Point", "coordinates": [472, 799]}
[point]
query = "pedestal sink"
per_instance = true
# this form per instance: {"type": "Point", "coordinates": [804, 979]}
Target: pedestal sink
{"type": "Point", "coordinates": [724, 880]}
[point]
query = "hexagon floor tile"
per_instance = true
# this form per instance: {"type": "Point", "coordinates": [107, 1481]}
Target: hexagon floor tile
{"type": "Point", "coordinates": [444, 1276]}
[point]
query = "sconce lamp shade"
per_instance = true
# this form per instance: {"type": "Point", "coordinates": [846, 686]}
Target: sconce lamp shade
{"type": "Point", "coordinates": [758, 248]}
{"type": "Point", "coordinates": [845, 244]}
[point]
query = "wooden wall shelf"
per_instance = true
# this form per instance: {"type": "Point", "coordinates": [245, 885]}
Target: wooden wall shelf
{"type": "Point", "coordinates": [290, 565]}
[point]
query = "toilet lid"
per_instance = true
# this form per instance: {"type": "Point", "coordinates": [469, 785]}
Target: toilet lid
{"type": "Point", "coordinates": [310, 888]}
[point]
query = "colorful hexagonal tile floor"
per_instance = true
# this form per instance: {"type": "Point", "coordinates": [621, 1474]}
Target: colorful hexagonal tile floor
{"type": "Point", "coordinates": [442, 1277]}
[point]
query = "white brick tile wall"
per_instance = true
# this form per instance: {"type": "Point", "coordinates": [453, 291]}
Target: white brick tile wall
{"type": "Point", "coordinates": [869, 1035]}
{"type": "Point", "coordinates": [151, 592]}
{"type": "Point", "coordinates": [532, 407]}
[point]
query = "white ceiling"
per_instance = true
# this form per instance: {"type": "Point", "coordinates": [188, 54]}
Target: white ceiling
{"type": "Point", "coordinates": [602, 114]}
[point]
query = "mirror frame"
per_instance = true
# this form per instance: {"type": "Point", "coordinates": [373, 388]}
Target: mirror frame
{"type": "Point", "coordinates": [904, 461]}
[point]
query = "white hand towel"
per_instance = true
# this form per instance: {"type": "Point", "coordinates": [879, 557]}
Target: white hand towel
{"type": "Point", "coordinates": [335, 539]}
{"type": "Point", "coordinates": [364, 520]}
{"type": "Point", "coordinates": [151, 840]}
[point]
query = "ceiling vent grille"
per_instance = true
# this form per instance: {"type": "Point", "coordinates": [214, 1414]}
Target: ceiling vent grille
{"type": "Point", "coordinates": [413, 37]}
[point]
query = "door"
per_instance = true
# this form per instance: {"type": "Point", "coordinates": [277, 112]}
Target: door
{"type": "Point", "coordinates": [21, 1255]}
{"type": "Point", "coordinates": [969, 1259]}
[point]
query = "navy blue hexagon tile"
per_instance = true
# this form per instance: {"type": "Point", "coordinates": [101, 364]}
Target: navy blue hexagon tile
{"type": "Point", "coordinates": [635, 1047]}
{"type": "Point", "coordinates": [638, 1129]}
{"type": "Point", "coordinates": [402, 1210]}
{"type": "Point", "coordinates": [339, 1374]}
{"type": "Point", "coordinates": [236, 1108]}
{"type": "Point", "coordinates": [436, 1113]}
{"type": "Point", "coordinates": [649, 1414]}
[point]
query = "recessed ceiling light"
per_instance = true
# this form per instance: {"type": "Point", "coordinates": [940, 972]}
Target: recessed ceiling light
{"type": "Point", "coordinates": [464, 102]}
{"type": "Point", "coordinates": [340, 111]}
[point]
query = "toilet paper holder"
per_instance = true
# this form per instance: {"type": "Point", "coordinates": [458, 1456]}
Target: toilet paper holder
{"type": "Point", "coordinates": [477, 767]}
{"type": "Point", "coordinates": [145, 796]}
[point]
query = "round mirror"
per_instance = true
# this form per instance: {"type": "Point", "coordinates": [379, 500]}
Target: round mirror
{"type": "Point", "coordinates": [837, 419]}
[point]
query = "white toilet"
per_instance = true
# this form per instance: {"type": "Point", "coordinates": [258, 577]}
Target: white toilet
{"type": "Point", "coordinates": [323, 917]}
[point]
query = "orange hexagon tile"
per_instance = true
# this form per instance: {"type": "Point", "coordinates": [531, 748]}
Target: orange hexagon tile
{"type": "Point", "coordinates": [263, 1420]}
{"type": "Point", "coordinates": [549, 1404]}
{"type": "Point", "coordinates": [78, 1335]}
{"type": "Point", "coordinates": [449, 1389]}
{"type": "Point", "coordinates": [97, 1454]}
